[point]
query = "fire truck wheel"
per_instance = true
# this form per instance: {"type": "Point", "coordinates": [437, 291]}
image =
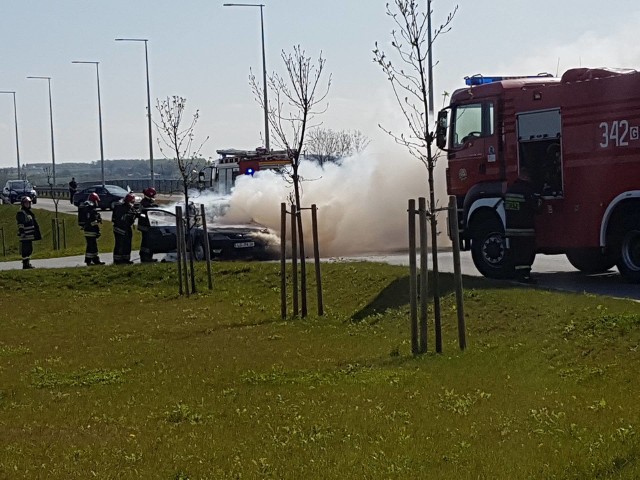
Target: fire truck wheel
{"type": "Point", "coordinates": [489, 252]}
{"type": "Point", "coordinates": [629, 262]}
{"type": "Point", "coordinates": [590, 260]}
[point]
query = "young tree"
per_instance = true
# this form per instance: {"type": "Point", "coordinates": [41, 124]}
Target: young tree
{"type": "Point", "coordinates": [177, 141]}
{"type": "Point", "coordinates": [298, 96]}
{"type": "Point", "coordinates": [410, 79]}
{"type": "Point", "coordinates": [326, 145]}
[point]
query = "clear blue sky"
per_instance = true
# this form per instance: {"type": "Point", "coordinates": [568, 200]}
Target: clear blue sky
{"type": "Point", "coordinates": [203, 51]}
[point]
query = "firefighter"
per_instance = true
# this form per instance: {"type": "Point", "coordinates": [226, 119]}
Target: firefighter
{"type": "Point", "coordinates": [521, 204]}
{"type": "Point", "coordinates": [123, 217]}
{"type": "Point", "coordinates": [73, 188]}
{"type": "Point", "coordinates": [28, 231]}
{"type": "Point", "coordinates": [91, 227]}
{"type": "Point", "coordinates": [146, 255]}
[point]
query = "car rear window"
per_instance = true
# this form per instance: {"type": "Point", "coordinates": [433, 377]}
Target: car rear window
{"type": "Point", "coordinates": [20, 184]}
{"type": "Point", "coordinates": [116, 190]}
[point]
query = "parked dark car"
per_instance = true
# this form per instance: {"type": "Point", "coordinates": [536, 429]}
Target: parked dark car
{"type": "Point", "coordinates": [109, 195]}
{"type": "Point", "coordinates": [14, 190]}
{"type": "Point", "coordinates": [226, 242]}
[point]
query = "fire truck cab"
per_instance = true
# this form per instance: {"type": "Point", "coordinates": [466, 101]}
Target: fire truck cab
{"type": "Point", "coordinates": [221, 176]}
{"type": "Point", "coordinates": [578, 135]}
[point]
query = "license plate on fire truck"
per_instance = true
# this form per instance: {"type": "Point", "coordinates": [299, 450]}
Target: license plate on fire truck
{"type": "Point", "coordinates": [244, 245]}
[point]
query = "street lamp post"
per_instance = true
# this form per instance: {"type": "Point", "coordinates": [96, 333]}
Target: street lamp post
{"type": "Point", "coordinates": [264, 67]}
{"type": "Point", "coordinates": [15, 117]}
{"type": "Point", "coordinates": [99, 117]}
{"type": "Point", "coordinates": [146, 58]}
{"type": "Point", "coordinates": [53, 150]}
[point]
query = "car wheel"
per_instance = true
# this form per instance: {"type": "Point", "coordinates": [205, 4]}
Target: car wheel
{"type": "Point", "coordinates": [198, 250]}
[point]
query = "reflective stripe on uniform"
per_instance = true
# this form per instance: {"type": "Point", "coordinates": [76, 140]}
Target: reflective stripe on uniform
{"type": "Point", "coordinates": [516, 197]}
{"type": "Point", "coordinates": [520, 232]}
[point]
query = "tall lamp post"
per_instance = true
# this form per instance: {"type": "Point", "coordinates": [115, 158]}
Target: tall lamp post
{"type": "Point", "coordinates": [146, 59]}
{"type": "Point", "coordinates": [15, 117]}
{"type": "Point", "coordinates": [99, 116]}
{"type": "Point", "coordinates": [53, 150]}
{"type": "Point", "coordinates": [264, 67]}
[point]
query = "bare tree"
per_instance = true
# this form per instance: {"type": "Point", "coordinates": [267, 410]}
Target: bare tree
{"type": "Point", "coordinates": [326, 145]}
{"type": "Point", "coordinates": [177, 142]}
{"type": "Point", "coordinates": [298, 97]}
{"type": "Point", "coordinates": [410, 80]}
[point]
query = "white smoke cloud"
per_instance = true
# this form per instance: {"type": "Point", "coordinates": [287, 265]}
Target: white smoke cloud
{"type": "Point", "coordinates": [362, 203]}
{"type": "Point", "coordinates": [615, 48]}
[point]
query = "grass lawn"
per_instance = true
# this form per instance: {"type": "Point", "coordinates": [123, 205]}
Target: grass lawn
{"type": "Point", "coordinates": [108, 373]}
{"type": "Point", "coordinates": [75, 243]}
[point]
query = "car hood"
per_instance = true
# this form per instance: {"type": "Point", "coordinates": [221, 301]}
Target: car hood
{"type": "Point", "coordinates": [237, 229]}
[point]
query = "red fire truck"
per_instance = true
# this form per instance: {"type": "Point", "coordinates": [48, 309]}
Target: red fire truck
{"type": "Point", "coordinates": [233, 162]}
{"type": "Point", "coordinates": [578, 135]}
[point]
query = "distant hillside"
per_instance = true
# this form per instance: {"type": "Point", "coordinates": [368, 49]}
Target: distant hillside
{"type": "Point", "coordinates": [91, 172]}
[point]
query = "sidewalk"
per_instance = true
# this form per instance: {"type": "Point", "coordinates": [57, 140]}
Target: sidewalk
{"type": "Point", "coordinates": [63, 262]}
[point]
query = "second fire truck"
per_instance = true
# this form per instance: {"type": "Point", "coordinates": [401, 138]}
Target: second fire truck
{"type": "Point", "coordinates": [232, 162]}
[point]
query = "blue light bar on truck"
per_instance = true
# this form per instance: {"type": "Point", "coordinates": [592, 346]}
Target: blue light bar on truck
{"type": "Point", "coordinates": [482, 80]}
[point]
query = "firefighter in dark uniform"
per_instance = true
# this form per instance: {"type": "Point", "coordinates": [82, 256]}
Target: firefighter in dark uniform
{"type": "Point", "coordinates": [123, 217]}
{"type": "Point", "coordinates": [73, 188]}
{"type": "Point", "coordinates": [28, 231]}
{"type": "Point", "coordinates": [146, 255]}
{"type": "Point", "coordinates": [91, 229]}
{"type": "Point", "coordinates": [521, 204]}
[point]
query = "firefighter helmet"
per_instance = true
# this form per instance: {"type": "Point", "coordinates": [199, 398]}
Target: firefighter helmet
{"type": "Point", "coordinates": [129, 198]}
{"type": "Point", "coordinates": [25, 200]}
{"type": "Point", "coordinates": [149, 192]}
{"type": "Point", "coordinates": [94, 197]}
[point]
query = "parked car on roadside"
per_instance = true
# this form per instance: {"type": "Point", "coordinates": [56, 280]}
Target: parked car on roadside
{"type": "Point", "coordinates": [226, 242]}
{"type": "Point", "coordinates": [109, 195]}
{"type": "Point", "coordinates": [14, 190]}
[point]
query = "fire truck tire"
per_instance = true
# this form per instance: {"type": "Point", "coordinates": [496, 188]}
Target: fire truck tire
{"type": "Point", "coordinates": [489, 252]}
{"type": "Point", "coordinates": [590, 260]}
{"type": "Point", "coordinates": [629, 261]}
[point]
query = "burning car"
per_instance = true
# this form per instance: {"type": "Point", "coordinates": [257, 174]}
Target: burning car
{"type": "Point", "coordinates": [226, 242]}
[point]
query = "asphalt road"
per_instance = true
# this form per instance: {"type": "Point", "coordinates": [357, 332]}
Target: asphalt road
{"type": "Point", "coordinates": [64, 206]}
{"type": "Point", "coordinates": [549, 271]}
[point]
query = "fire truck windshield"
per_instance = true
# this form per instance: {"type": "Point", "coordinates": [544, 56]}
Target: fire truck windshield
{"type": "Point", "coordinates": [471, 121]}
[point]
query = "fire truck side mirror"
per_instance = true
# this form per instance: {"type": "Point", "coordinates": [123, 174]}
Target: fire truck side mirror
{"type": "Point", "coordinates": [441, 129]}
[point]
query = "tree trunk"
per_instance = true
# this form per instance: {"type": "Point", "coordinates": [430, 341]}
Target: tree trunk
{"type": "Point", "coordinates": [189, 237]}
{"type": "Point", "coordinates": [303, 267]}
{"type": "Point", "coordinates": [434, 254]}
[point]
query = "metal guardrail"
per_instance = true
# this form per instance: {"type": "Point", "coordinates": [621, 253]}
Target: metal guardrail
{"type": "Point", "coordinates": [55, 192]}
{"type": "Point", "coordinates": [136, 185]}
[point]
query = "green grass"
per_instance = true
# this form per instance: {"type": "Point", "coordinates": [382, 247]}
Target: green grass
{"type": "Point", "coordinates": [108, 373]}
{"type": "Point", "coordinates": [75, 244]}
